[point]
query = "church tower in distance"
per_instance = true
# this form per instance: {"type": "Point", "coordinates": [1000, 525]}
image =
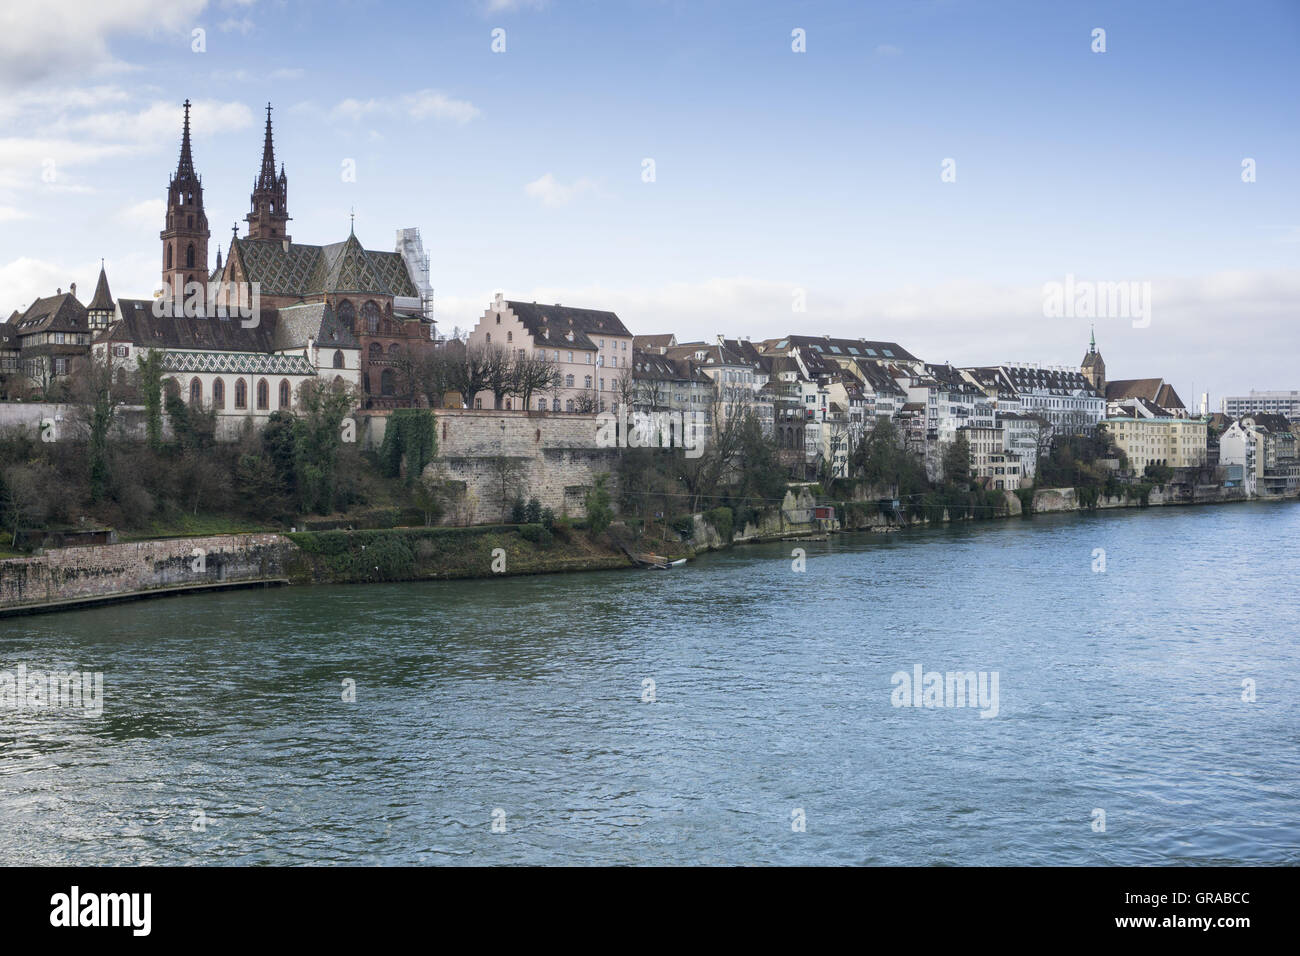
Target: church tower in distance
{"type": "Point", "coordinates": [269, 211]}
{"type": "Point", "coordinates": [1093, 368]}
{"type": "Point", "coordinates": [185, 240]}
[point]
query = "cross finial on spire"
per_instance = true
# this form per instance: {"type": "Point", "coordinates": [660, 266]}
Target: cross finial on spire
{"type": "Point", "coordinates": [1093, 345]}
{"type": "Point", "coordinates": [234, 230]}
{"type": "Point", "coordinates": [352, 228]}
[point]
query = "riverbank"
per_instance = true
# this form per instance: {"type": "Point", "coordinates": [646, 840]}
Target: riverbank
{"type": "Point", "coordinates": [74, 577]}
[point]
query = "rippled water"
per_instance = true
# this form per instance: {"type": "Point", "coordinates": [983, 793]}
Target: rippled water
{"type": "Point", "coordinates": [1119, 691]}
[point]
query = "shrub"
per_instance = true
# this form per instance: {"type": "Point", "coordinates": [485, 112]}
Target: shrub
{"type": "Point", "coordinates": [723, 521]}
{"type": "Point", "coordinates": [518, 512]}
{"type": "Point", "coordinates": [684, 525]}
{"type": "Point", "coordinates": [537, 534]}
{"type": "Point", "coordinates": [533, 511]}
{"type": "Point", "coordinates": [547, 518]}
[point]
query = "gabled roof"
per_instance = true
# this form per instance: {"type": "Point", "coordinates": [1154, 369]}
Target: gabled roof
{"type": "Point", "coordinates": [652, 366]}
{"type": "Point", "coordinates": [1267, 421]}
{"type": "Point", "coordinates": [55, 313]}
{"type": "Point", "coordinates": [551, 325]}
{"type": "Point", "coordinates": [295, 324]}
{"type": "Point", "coordinates": [1025, 378]}
{"type": "Point", "coordinates": [881, 382]}
{"type": "Point", "coordinates": [1152, 389]}
{"type": "Point", "coordinates": [660, 341]}
{"type": "Point", "coordinates": [842, 348]}
{"type": "Point", "coordinates": [139, 326]}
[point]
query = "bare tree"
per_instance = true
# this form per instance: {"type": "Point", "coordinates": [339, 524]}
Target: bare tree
{"type": "Point", "coordinates": [468, 373]}
{"type": "Point", "coordinates": [533, 372]}
{"type": "Point", "coordinates": [498, 372]}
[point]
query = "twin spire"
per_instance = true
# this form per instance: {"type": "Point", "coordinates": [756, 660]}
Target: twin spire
{"type": "Point", "coordinates": [268, 213]}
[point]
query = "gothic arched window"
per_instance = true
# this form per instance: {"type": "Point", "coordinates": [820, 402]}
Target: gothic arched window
{"type": "Point", "coordinates": [196, 392]}
{"type": "Point", "coordinates": [241, 393]}
{"type": "Point", "coordinates": [338, 358]}
{"type": "Point", "coordinates": [169, 257]}
{"type": "Point", "coordinates": [218, 394]}
{"type": "Point", "coordinates": [189, 256]}
{"type": "Point", "coordinates": [284, 393]}
{"type": "Point", "coordinates": [387, 386]}
{"type": "Point", "coordinates": [376, 351]}
{"type": "Point", "coordinates": [347, 314]}
{"type": "Point", "coordinates": [263, 394]}
{"type": "Point", "coordinates": [394, 350]}
{"type": "Point", "coordinates": [370, 312]}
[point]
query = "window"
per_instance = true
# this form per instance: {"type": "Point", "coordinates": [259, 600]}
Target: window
{"type": "Point", "coordinates": [570, 357]}
{"type": "Point", "coordinates": [196, 392]}
{"type": "Point", "coordinates": [394, 351]}
{"type": "Point", "coordinates": [169, 257]}
{"type": "Point", "coordinates": [510, 336]}
{"type": "Point", "coordinates": [586, 382]}
{"type": "Point", "coordinates": [387, 384]}
{"type": "Point", "coordinates": [263, 394]}
{"type": "Point", "coordinates": [347, 315]}
{"type": "Point", "coordinates": [189, 256]}
{"type": "Point", "coordinates": [241, 393]}
{"type": "Point", "coordinates": [284, 393]}
{"type": "Point", "coordinates": [376, 351]}
{"type": "Point", "coordinates": [218, 394]}
{"type": "Point", "coordinates": [370, 312]}
{"type": "Point", "coordinates": [541, 404]}
{"type": "Point", "coordinates": [555, 405]}
{"type": "Point", "coordinates": [568, 405]}
{"type": "Point", "coordinates": [60, 366]}
{"type": "Point", "coordinates": [338, 358]}
{"type": "Point", "coordinates": [568, 381]}
{"type": "Point", "coordinates": [489, 337]}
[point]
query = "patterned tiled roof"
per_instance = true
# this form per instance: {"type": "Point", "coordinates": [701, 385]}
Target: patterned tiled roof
{"type": "Point", "coordinates": [237, 363]}
{"type": "Point", "coordinates": [302, 269]}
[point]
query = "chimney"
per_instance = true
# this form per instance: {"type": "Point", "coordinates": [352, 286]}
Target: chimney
{"type": "Point", "coordinates": [73, 289]}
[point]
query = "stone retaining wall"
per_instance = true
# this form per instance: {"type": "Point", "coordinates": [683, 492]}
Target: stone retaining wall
{"type": "Point", "coordinates": [66, 574]}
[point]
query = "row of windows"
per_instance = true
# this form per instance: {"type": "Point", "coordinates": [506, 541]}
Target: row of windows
{"type": "Point", "coordinates": [263, 390]}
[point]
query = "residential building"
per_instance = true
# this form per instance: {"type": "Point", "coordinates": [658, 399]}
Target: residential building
{"type": "Point", "coordinates": [1265, 447]}
{"type": "Point", "coordinates": [1158, 439]}
{"type": "Point", "coordinates": [591, 349]}
{"type": "Point", "coordinates": [39, 345]}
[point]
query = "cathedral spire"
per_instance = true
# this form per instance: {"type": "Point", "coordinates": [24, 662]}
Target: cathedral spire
{"type": "Point", "coordinates": [268, 205]}
{"type": "Point", "coordinates": [185, 168]}
{"type": "Point", "coordinates": [185, 232]}
{"type": "Point", "coordinates": [267, 177]}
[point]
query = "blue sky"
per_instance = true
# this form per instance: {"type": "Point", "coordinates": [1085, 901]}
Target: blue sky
{"type": "Point", "coordinates": [775, 171]}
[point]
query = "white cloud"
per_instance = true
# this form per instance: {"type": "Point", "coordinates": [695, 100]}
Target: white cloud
{"type": "Point", "coordinates": [25, 279]}
{"type": "Point", "coordinates": [42, 40]}
{"type": "Point", "coordinates": [10, 214]}
{"type": "Point", "coordinates": [551, 192]}
{"type": "Point", "coordinates": [148, 212]}
{"type": "Point", "coordinates": [243, 26]}
{"type": "Point", "coordinates": [418, 105]}
{"type": "Point", "coordinates": [506, 6]}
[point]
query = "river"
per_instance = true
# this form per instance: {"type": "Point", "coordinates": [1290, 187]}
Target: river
{"type": "Point", "coordinates": [511, 720]}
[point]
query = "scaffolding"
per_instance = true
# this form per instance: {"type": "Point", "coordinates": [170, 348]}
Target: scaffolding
{"type": "Point", "coordinates": [417, 264]}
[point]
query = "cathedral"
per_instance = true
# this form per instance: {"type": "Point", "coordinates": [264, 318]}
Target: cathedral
{"type": "Point", "coordinates": [337, 310]}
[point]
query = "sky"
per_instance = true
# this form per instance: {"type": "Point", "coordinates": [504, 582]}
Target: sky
{"type": "Point", "coordinates": [916, 174]}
